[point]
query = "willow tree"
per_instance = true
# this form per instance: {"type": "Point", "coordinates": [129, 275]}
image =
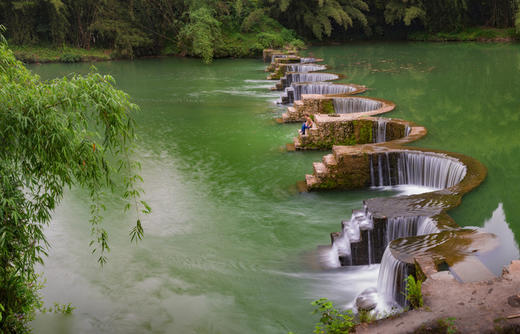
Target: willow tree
{"type": "Point", "coordinates": [74, 131]}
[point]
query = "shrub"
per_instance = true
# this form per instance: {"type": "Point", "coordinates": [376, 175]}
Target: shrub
{"type": "Point", "coordinates": [70, 58]}
{"type": "Point", "coordinates": [413, 292]}
{"type": "Point", "coordinates": [332, 321]}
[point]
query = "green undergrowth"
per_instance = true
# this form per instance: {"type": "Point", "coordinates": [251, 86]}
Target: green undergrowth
{"type": "Point", "coordinates": [469, 34]}
{"type": "Point", "coordinates": [64, 54]}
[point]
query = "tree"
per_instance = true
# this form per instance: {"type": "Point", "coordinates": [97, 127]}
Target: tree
{"type": "Point", "coordinates": [74, 131]}
{"type": "Point", "coordinates": [319, 16]}
{"type": "Point", "coordinates": [200, 35]}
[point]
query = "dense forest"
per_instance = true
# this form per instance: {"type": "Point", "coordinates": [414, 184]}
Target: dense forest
{"type": "Point", "coordinates": [220, 28]}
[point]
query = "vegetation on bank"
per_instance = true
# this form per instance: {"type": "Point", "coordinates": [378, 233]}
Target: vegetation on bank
{"type": "Point", "coordinates": [50, 54]}
{"type": "Point", "coordinates": [240, 28]}
{"type": "Point", "coordinates": [74, 131]}
{"type": "Point", "coordinates": [482, 34]}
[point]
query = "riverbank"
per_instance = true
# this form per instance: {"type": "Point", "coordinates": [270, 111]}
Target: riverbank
{"type": "Point", "coordinates": [30, 54]}
{"type": "Point", "coordinates": [473, 34]}
{"type": "Point", "coordinates": [452, 307]}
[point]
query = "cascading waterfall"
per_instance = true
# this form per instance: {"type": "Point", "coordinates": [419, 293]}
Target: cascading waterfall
{"type": "Point", "coordinates": [427, 226]}
{"type": "Point", "coordinates": [421, 169]}
{"type": "Point", "coordinates": [274, 56]}
{"type": "Point", "coordinates": [396, 227]}
{"type": "Point", "coordinates": [304, 60]}
{"type": "Point", "coordinates": [380, 136]}
{"type": "Point", "coordinates": [407, 130]}
{"type": "Point", "coordinates": [351, 232]}
{"type": "Point", "coordinates": [400, 227]}
{"type": "Point", "coordinates": [305, 67]}
{"type": "Point", "coordinates": [296, 77]}
{"type": "Point", "coordinates": [310, 77]}
{"type": "Point", "coordinates": [363, 235]}
{"type": "Point", "coordinates": [347, 105]}
{"type": "Point", "coordinates": [391, 285]}
{"type": "Point", "coordinates": [322, 88]}
{"type": "Point", "coordinates": [429, 170]}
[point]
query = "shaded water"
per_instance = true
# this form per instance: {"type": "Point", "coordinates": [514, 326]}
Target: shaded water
{"type": "Point", "coordinates": [229, 246]}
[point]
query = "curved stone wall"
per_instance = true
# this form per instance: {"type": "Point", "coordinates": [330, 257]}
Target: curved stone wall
{"type": "Point", "coordinates": [349, 105]}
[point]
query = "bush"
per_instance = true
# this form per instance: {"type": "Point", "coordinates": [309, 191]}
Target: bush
{"type": "Point", "coordinates": [413, 292]}
{"type": "Point", "coordinates": [332, 321]}
{"type": "Point", "coordinates": [70, 58]}
{"type": "Point", "coordinates": [270, 40]}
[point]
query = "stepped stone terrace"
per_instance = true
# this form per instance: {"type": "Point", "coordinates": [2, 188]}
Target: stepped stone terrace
{"type": "Point", "coordinates": [408, 234]}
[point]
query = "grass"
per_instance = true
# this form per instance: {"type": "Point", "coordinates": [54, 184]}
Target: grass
{"type": "Point", "coordinates": [49, 54]}
{"type": "Point", "coordinates": [469, 34]}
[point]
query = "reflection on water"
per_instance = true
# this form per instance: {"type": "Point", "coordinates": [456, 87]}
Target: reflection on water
{"type": "Point", "coordinates": [507, 249]}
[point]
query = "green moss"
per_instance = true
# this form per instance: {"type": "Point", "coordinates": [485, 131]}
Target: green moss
{"type": "Point", "coordinates": [327, 107]}
{"type": "Point", "coordinates": [363, 131]}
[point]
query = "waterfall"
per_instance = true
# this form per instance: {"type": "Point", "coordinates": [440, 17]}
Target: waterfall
{"type": "Point", "coordinates": [274, 56]}
{"type": "Point", "coordinates": [361, 220]}
{"type": "Point", "coordinates": [320, 88]}
{"type": "Point", "coordinates": [304, 60]}
{"type": "Point", "coordinates": [407, 131]}
{"type": "Point", "coordinates": [400, 227]}
{"type": "Point", "coordinates": [381, 130]}
{"type": "Point", "coordinates": [351, 232]}
{"type": "Point", "coordinates": [427, 226]}
{"type": "Point", "coordinates": [372, 178]}
{"type": "Point", "coordinates": [346, 105]}
{"type": "Point", "coordinates": [434, 171]}
{"type": "Point", "coordinates": [418, 168]}
{"type": "Point", "coordinates": [311, 77]}
{"type": "Point", "coordinates": [391, 285]}
{"type": "Point", "coordinates": [305, 67]}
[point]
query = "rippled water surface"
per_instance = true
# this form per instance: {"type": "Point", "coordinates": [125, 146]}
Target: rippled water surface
{"type": "Point", "coordinates": [230, 246]}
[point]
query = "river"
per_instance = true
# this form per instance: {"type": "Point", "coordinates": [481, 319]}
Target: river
{"type": "Point", "coordinates": [230, 245]}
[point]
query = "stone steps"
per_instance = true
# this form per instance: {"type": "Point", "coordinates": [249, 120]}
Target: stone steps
{"type": "Point", "coordinates": [298, 103]}
{"type": "Point", "coordinates": [311, 181]}
{"type": "Point", "coordinates": [291, 109]}
{"type": "Point", "coordinates": [329, 160]}
{"type": "Point", "coordinates": [297, 144]}
{"type": "Point", "coordinates": [320, 170]}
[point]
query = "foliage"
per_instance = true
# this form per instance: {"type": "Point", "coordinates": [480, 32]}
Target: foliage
{"type": "Point", "coordinates": [332, 321]}
{"type": "Point", "coordinates": [65, 309]}
{"type": "Point", "coordinates": [318, 18]}
{"type": "Point", "coordinates": [199, 36]}
{"type": "Point", "coordinates": [449, 324]}
{"type": "Point", "coordinates": [365, 316]}
{"type": "Point", "coordinates": [72, 131]}
{"type": "Point", "coordinates": [470, 34]}
{"type": "Point", "coordinates": [413, 292]}
{"type": "Point", "coordinates": [70, 58]}
{"type": "Point", "coordinates": [237, 28]}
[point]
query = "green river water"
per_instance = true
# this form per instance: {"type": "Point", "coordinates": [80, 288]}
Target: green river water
{"type": "Point", "coordinates": [229, 246]}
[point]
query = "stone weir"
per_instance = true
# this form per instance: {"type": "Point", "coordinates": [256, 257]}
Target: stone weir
{"type": "Point", "coordinates": [336, 110]}
{"type": "Point", "coordinates": [297, 90]}
{"type": "Point", "coordinates": [282, 70]}
{"type": "Point", "coordinates": [408, 235]}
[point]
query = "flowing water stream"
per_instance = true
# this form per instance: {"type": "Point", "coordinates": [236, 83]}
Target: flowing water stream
{"type": "Point", "coordinates": [230, 245]}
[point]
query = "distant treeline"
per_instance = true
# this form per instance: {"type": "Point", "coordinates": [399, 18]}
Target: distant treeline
{"type": "Point", "coordinates": [215, 28]}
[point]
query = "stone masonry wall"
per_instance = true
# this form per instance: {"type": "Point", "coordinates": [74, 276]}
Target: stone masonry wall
{"type": "Point", "coordinates": [347, 132]}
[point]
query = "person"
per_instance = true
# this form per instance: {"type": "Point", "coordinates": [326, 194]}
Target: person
{"type": "Point", "coordinates": [306, 125]}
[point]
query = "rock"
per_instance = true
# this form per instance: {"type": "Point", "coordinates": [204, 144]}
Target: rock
{"type": "Point", "coordinates": [514, 301]}
{"type": "Point", "coordinates": [367, 300]}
